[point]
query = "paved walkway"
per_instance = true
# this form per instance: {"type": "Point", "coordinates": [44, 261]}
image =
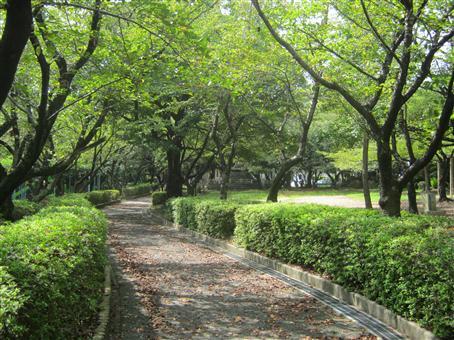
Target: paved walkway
{"type": "Point", "coordinates": [170, 287]}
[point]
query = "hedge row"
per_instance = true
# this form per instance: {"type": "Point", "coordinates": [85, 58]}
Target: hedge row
{"type": "Point", "coordinates": [405, 264]}
{"type": "Point", "coordinates": [137, 190]}
{"type": "Point", "coordinates": [158, 198]}
{"type": "Point", "coordinates": [51, 271]}
{"type": "Point", "coordinates": [214, 218]}
{"type": "Point", "coordinates": [103, 196]}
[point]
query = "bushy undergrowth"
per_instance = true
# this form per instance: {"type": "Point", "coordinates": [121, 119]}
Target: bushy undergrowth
{"type": "Point", "coordinates": [158, 198]}
{"type": "Point", "coordinates": [103, 196]}
{"type": "Point", "coordinates": [404, 264]}
{"type": "Point", "coordinates": [51, 271]}
{"type": "Point", "coordinates": [137, 190]}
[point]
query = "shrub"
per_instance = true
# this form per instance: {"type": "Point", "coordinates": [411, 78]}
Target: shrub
{"type": "Point", "coordinates": [137, 190]}
{"type": "Point", "coordinates": [56, 258]}
{"type": "Point", "coordinates": [216, 219]}
{"type": "Point", "coordinates": [405, 264]}
{"type": "Point", "coordinates": [78, 200]}
{"type": "Point", "coordinates": [11, 302]}
{"type": "Point", "coordinates": [212, 217]}
{"type": "Point", "coordinates": [103, 196]}
{"type": "Point", "coordinates": [24, 208]}
{"type": "Point", "coordinates": [184, 211]}
{"type": "Point", "coordinates": [158, 197]}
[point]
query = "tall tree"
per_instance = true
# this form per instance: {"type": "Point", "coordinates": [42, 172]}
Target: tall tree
{"type": "Point", "coordinates": [15, 35]}
{"type": "Point", "coordinates": [395, 72]}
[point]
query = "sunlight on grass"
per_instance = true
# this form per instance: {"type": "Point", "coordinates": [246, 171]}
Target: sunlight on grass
{"type": "Point", "coordinates": [260, 195]}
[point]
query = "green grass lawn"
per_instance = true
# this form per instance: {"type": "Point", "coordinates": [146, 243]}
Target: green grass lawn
{"type": "Point", "coordinates": [260, 195]}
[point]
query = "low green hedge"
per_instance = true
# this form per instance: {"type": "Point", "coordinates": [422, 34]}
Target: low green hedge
{"type": "Point", "coordinates": [137, 190]}
{"type": "Point", "coordinates": [184, 211]}
{"type": "Point", "coordinates": [213, 217]}
{"type": "Point", "coordinates": [77, 200]}
{"type": "Point", "coordinates": [158, 198]}
{"type": "Point", "coordinates": [52, 271]}
{"type": "Point", "coordinates": [24, 208]}
{"type": "Point", "coordinates": [103, 196]}
{"type": "Point", "coordinates": [405, 264]}
{"type": "Point", "coordinates": [216, 219]}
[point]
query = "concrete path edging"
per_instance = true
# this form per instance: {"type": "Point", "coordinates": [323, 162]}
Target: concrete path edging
{"type": "Point", "coordinates": [378, 319]}
{"type": "Point", "coordinates": [104, 312]}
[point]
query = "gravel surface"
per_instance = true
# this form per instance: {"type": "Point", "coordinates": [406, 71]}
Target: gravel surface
{"type": "Point", "coordinates": [169, 287]}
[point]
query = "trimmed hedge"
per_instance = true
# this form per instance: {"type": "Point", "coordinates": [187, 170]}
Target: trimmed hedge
{"type": "Point", "coordinates": [405, 264]}
{"type": "Point", "coordinates": [137, 190]}
{"type": "Point", "coordinates": [213, 218]}
{"type": "Point", "coordinates": [216, 219]}
{"type": "Point", "coordinates": [183, 211]}
{"type": "Point", "coordinates": [52, 271]}
{"type": "Point", "coordinates": [103, 196]}
{"type": "Point", "coordinates": [76, 200]}
{"type": "Point", "coordinates": [158, 198]}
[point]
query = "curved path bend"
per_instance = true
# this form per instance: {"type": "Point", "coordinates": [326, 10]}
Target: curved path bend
{"type": "Point", "coordinates": [167, 286]}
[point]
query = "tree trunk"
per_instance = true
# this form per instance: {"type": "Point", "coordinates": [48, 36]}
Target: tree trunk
{"type": "Point", "coordinates": [309, 176]}
{"type": "Point", "coordinates": [224, 187]}
{"type": "Point", "coordinates": [7, 208]}
{"type": "Point", "coordinates": [280, 177]}
{"type": "Point", "coordinates": [390, 190]}
{"type": "Point", "coordinates": [365, 174]}
{"type": "Point", "coordinates": [412, 202]}
{"type": "Point", "coordinates": [16, 32]}
{"type": "Point", "coordinates": [174, 187]}
{"type": "Point", "coordinates": [443, 180]}
{"type": "Point", "coordinates": [59, 186]}
{"type": "Point", "coordinates": [427, 178]}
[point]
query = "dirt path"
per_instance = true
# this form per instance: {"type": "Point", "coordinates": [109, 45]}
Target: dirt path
{"type": "Point", "coordinates": [170, 287]}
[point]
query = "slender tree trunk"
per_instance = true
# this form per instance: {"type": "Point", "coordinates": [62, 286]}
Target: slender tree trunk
{"type": "Point", "coordinates": [224, 187]}
{"type": "Point", "coordinates": [390, 190]}
{"type": "Point", "coordinates": [427, 178]}
{"type": "Point", "coordinates": [280, 177]}
{"type": "Point", "coordinates": [411, 193]}
{"type": "Point", "coordinates": [443, 180]}
{"type": "Point", "coordinates": [309, 176]}
{"type": "Point", "coordinates": [365, 174]}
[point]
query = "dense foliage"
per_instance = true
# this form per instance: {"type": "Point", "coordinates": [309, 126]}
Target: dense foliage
{"type": "Point", "coordinates": [52, 271]}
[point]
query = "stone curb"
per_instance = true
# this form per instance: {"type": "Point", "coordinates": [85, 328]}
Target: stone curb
{"type": "Point", "coordinates": [104, 312]}
{"type": "Point", "coordinates": [408, 328]}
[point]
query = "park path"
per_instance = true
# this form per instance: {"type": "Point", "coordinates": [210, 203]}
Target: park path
{"type": "Point", "coordinates": [170, 287]}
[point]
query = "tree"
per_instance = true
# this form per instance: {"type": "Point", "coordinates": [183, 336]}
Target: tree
{"type": "Point", "coordinates": [51, 103]}
{"type": "Point", "coordinates": [396, 71]}
{"type": "Point", "coordinates": [18, 26]}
